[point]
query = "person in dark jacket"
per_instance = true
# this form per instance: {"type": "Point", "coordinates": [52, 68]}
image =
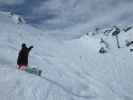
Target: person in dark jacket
{"type": "Point", "coordinates": [22, 60]}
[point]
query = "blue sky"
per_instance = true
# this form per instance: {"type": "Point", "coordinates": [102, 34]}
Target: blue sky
{"type": "Point", "coordinates": [71, 14]}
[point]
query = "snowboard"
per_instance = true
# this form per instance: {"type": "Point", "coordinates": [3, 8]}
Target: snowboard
{"type": "Point", "coordinates": [34, 71]}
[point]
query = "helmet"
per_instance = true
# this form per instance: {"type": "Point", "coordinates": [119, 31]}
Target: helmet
{"type": "Point", "coordinates": [23, 45]}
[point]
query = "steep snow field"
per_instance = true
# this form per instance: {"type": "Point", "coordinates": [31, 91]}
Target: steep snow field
{"type": "Point", "coordinates": [73, 69]}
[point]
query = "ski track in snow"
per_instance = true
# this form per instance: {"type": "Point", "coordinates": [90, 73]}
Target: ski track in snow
{"type": "Point", "coordinates": [87, 78]}
{"type": "Point", "coordinates": [67, 89]}
{"type": "Point", "coordinates": [52, 82]}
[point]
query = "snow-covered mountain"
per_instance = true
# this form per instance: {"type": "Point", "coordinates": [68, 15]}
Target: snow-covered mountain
{"type": "Point", "coordinates": [72, 15]}
{"type": "Point", "coordinates": [73, 68]}
{"type": "Point", "coordinates": [81, 15]}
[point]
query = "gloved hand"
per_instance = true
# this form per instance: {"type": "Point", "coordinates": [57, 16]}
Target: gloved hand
{"type": "Point", "coordinates": [31, 46]}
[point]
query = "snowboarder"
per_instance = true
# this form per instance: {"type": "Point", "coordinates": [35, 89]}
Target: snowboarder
{"type": "Point", "coordinates": [22, 60]}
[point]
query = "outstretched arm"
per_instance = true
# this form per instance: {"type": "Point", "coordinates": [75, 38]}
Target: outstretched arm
{"type": "Point", "coordinates": [30, 48]}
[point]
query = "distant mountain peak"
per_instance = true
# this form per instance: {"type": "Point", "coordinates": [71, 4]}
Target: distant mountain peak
{"type": "Point", "coordinates": [17, 19]}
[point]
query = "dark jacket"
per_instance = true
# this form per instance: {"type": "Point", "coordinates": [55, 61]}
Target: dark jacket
{"type": "Point", "coordinates": [23, 56]}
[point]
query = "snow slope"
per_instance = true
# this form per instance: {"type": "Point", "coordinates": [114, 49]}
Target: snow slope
{"type": "Point", "coordinates": [73, 69]}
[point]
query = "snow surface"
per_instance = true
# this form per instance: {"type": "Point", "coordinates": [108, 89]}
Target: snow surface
{"type": "Point", "coordinates": [73, 69]}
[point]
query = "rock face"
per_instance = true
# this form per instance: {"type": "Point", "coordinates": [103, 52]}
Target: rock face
{"type": "Point", "coordinates": [17, 18]}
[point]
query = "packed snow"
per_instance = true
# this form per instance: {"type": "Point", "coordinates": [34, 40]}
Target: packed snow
{"type": "Point", "coordinates": [73, 68]}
